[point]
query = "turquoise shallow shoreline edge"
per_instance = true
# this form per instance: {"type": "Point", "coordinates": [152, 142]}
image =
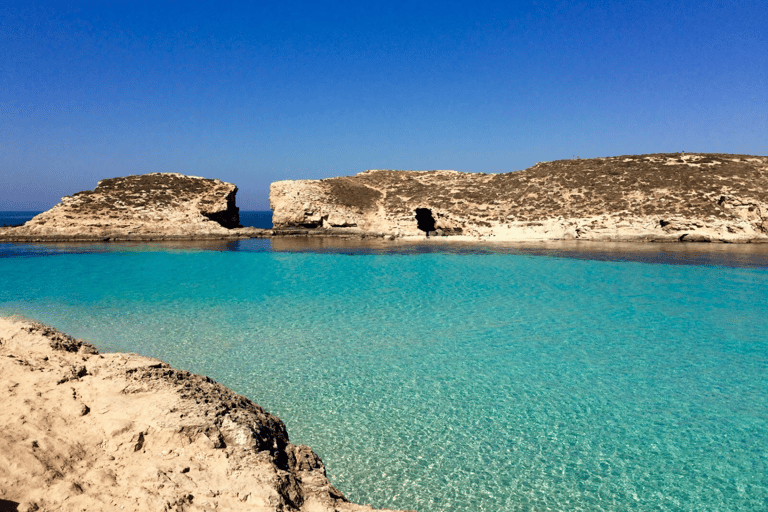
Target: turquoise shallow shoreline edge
{"type": "Point", "coordinates": [470, 378]}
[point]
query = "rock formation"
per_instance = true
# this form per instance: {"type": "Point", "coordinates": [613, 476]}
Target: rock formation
{"type": "Point", "coordinates": [166, 204]}
{"type": "Point", "coordinates": [86, 431]}
{"type": "Point", "coordinates": [660, 197]}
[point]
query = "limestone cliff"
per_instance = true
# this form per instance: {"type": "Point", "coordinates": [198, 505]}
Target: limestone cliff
{"type": "Point", "coordinates": [659, 197]}
{"type": "Point", "coordinates": [86, 431]}
{"type": "Point", "coordinates": [169, 204]}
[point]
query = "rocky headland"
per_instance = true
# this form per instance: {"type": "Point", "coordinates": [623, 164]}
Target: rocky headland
{"type": "Point", "coordinates": [657, 198]}
{"type": "Point", "coordinates": [142, 207]}
{"type": "Point", "coordinates": [87, 431]}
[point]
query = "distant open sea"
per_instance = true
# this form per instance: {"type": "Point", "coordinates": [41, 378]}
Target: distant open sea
{"type": "Point", "coordinates": [449, 377]}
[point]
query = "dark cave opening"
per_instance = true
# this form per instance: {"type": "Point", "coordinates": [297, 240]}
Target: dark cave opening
{"type": "Point", "coordinates": [424, 220]}
{"type": "Point", "coordinates": [229, 218]}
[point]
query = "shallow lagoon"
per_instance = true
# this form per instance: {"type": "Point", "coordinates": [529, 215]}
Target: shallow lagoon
{"type": "Point", "coordinates": [564, 376]}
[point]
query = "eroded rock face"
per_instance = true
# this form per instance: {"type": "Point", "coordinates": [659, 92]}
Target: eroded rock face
{"type": "Point", "coordinates": [88, 431]}
{"type": "Point", "coordinates": [159, 203]}
{"type": "Point", "coordinates": [662, 197]}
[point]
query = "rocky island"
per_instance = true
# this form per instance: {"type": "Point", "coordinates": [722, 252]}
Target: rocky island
{"type": "Point", "coordinates": [142, 207]}
{"type": "Point", "coordinates": [651, 198]}
{"type": "Point", "coordinates": [667, 197]}
{"type": "Point", "coordinates": [87, 431]}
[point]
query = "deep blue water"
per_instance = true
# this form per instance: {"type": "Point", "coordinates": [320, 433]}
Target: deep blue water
{"type": "Point", "coordinates": [461, 378]}
{"type": "Point", "coordinates": [15, 218]}
{"type": "Point", "coordinates": [256, 219]}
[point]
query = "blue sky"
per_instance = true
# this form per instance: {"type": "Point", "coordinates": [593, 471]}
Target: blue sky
{"type": "Point", "coordinates": [252, 92]}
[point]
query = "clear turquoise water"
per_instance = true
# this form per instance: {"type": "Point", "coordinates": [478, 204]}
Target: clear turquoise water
{"type": "Point", "coordinates": [453, 380]}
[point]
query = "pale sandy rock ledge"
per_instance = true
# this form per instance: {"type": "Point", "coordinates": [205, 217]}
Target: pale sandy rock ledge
{"type": "Point", "coordinates": [86, 431]}
{"type": "Point", "coordinates": [650, 198]}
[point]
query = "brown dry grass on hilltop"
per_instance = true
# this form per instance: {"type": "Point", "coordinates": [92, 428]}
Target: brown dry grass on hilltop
{"type": "Point", "coordinates": [156, 190]}
{"type": "Point", "coordinates": [661, 184]}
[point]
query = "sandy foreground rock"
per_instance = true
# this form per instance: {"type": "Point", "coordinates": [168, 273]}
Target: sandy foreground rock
{"type": "Point", "coordinates": [86, 431]}
{"type": "Point", "coordinates": [653, 198]}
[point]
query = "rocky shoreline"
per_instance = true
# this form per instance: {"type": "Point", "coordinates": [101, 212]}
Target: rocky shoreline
{"type": "Point", "coordinates": [87, 431]}
{"type": "Point", "coordinates": [365, 235]}
{"type": "Point", "coordinates": [234, 234]}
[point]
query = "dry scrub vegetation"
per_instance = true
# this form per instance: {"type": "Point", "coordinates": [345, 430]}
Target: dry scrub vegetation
{"type": "Point", "coordinates": [693, 185]}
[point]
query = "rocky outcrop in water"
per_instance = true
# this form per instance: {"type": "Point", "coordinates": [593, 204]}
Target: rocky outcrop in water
{"type": "Point", "coordinates": [166, 204]}
{"type": "Point", "coordinates": [659, 197]}
{"type": "Point", "coordinates": [81, 430]}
